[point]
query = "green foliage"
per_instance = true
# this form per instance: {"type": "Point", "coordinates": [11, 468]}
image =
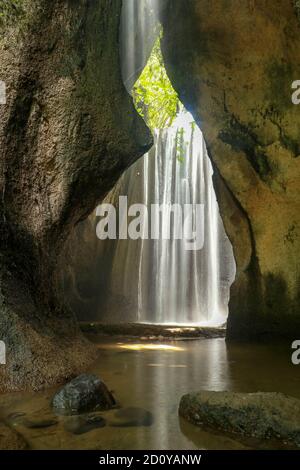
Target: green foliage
{"type": "Point", "coordinates": [180, 145]}
{"type": "Point", "coordinates": [9, 10]}
{"type": "Point", "coordinates": [154, 97]}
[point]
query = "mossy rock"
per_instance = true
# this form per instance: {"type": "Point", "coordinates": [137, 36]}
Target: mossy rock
{"type": "Point", "coordinates": [259, 415]}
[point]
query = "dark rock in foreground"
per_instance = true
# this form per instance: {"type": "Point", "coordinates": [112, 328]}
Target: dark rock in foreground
{"type": "Point", "coordinates": [259, 415]}
{"type": "Point", "coordinates": [39, 424]}
{"type": "Point", "coordinates": [131, 416]}
{"type": "Point", "coordinates": [84, 424]}
{"type": "Point", "coordinates": [82, 394]}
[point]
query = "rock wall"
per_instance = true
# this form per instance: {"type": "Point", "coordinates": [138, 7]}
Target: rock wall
{"type": "Point", "coordinates": [67, 132]}
{"type": "Point", "coordinates": [93, 278]}
{"type": "Point", "coordinates": [233, 63]}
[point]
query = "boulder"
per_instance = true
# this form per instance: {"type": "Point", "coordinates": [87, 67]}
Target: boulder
{"type": "Point", "coordinates": [260, 415]}
{"type": "Point", "coordinates": [84, 393]}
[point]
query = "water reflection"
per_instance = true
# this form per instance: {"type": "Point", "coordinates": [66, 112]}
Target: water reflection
{"type": "Point", "coordinates": [149, 382]}
{"type": "Point", "coordinates": [159, 376]}
{"type": "Point", "coordinates": [263, 367]}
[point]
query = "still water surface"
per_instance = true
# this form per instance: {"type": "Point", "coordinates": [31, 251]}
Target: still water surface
{"type": "Point", "coordinates": [153, 377]}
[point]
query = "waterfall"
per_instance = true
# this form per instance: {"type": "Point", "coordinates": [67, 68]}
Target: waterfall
{"type": "Point", "coordinates": [138, 31]}
{"type": "Point", "coordinates": [159, 281]}
{"type": "Point", "coordinates": [162, 281]}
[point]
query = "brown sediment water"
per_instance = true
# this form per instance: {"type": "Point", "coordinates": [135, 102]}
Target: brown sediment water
{"type": "Point", "coordinates": [148, 380]}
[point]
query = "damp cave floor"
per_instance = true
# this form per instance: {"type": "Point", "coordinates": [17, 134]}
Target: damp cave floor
{"type": "Point", "coordinates": [145, 331]}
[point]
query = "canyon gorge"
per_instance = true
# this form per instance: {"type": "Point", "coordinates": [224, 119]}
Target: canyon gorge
{"type": "Point", "coordinates": [69, 130]}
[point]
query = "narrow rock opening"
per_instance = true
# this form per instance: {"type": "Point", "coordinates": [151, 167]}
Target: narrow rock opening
{"type": "Point", "coordinates": [164, 280]}
{"type": "Point", "coordinates": [164, 256]}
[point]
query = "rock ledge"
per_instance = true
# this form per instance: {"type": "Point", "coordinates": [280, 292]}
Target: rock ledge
{"type": "Point", "coordinates": [260, 415]}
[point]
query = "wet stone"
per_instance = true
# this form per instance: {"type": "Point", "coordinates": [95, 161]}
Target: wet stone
{"type": "Point", "coordinates": [16, 416]}
{"type": "Point", "coordinates": [83, 424]}
{"type": "Point", "coordinates": [83, 394]}
{"type": "Point", "coordinates": [47, 423]}
{"type": "Point", "coordinates": [261, 415]}
{"type": "Point", "coordinates": [131, 416]}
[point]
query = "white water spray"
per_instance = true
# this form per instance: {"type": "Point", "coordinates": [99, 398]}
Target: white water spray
{"type": "Point", "coordinates": [159, 281]}
{"type": "Point", "coordinates": [164, 282]}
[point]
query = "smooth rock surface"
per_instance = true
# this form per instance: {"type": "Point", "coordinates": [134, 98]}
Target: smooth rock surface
{"type": "Point", "coordinates": [131, 416]}
{"type": "Point", "coordinates": [260, 415]}
{"type": "Point", "coordinates": [84, 393]}
{"type": "Point", "coordinates": [83, 424]}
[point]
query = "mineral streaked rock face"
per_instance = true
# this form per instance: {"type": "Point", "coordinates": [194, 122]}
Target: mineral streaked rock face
{"type": "Point", "coordinates": [82, 394]}
{"type": "Point", "coordinates": [260, 415]}
{"type": "Point", "coordinates": [233, 64]}
{"type": "Point", "coordinates": [67, 132]}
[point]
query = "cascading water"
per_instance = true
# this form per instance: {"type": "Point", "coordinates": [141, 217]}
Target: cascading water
{"type": "Point", "coordinates": [159, 280]}
{"type": "Point", "coordinates": [162, 280]}
{"type": "Point", "coordinates": [138, 31]}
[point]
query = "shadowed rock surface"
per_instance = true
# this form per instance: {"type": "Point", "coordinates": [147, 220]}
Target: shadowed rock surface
{"type": "Point", "coordinates": [85, 393]}
{"type": "Point", "coordinates": [67, 132]}
{"type": "Point", "coordinates": [131, 416]}
{"type": "Point", "coordinates": [259, 415]}
{"type": "Point", "coordinates": [233, 64]}
{"type": "Point", "coordinates": [143, 330]}
{"type": "Point", "coordinates": [83, 424]}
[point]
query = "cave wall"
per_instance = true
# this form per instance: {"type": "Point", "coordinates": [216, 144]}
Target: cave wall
{"type": "Point", "coordinates": [67, 132]}
{"type": "Point", "coordinates": [93, 280]}
{"type": "Point", "coordinates": [233, 63]}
